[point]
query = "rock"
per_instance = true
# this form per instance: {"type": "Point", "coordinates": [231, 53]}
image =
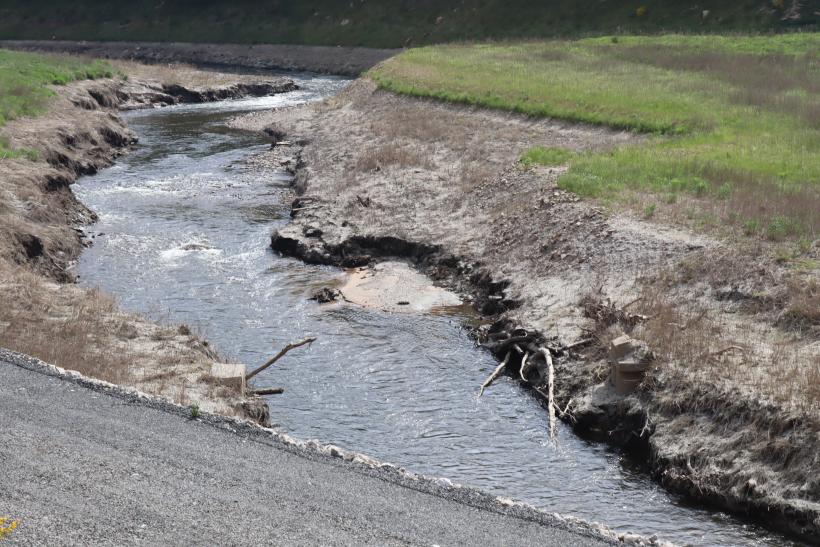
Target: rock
{"type": "Point", "coordinates": [629, 359]}
{"type": "Point", "coordinates": [195, 247]}
{"type": "Point", "coordinates": [620, 347]}
{"type": "Point", "coordinates": [325, 295]}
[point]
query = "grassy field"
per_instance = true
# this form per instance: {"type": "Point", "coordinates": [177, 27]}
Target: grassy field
{"type": "Point", "coordinates": [24, 81]}
{"type": "Point", "coordinates": [386, 23]}
{"type": "Point", "coordinates": [732, 123]}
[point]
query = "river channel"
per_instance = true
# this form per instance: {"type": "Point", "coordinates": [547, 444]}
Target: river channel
{"type": "Point", "coordinates": [183, 236]}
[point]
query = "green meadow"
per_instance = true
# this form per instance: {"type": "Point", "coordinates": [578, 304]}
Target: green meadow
{"type": "Point", "coordinates": [731, 124]}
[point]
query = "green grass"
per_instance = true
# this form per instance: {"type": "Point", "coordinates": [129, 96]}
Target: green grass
{"type": "Point", "coordinates": [24, 81]}
{"type": "Point", "coordinates": [732, 122]}
{"type": "Point", "coordinates": [383, 23]}
{"type": "Point", "coordinates": [542, 155]}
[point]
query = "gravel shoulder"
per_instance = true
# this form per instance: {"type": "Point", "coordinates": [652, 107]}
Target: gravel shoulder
{"type": "Point", "coordinates": [92, 464]}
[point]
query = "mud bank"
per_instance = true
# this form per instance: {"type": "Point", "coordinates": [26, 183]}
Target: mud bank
{"type": "Point", "coordinates": [42, 233]}
{"type": "Point", "coordinates": [344, 61]}
{"type": "Point", "coordinates": [380, 177]}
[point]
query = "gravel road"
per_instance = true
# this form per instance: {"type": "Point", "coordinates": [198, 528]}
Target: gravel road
{"type": "Point", "coordinates": [92, 464]}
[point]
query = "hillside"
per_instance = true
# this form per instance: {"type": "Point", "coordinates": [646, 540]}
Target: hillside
{"type": "Point", "coordinates": [388, 23]}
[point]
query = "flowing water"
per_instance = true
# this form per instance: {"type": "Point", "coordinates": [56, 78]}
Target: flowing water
{"type": "Point", "coordinates": [399, 387]}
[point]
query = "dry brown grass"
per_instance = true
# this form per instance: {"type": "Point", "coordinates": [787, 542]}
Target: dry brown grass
{"type": "Point", "coordinates": [376, 158]}
{"type": "Point", "coordinates": [69, 334]}
{"type": "Point", "coordinates": [83, 330]}
{"type": "Point", "coordinates": [727, 322]}
{"type": "Point", "coordinates": [706, 347]}
{"type": "Point", "coordinates": [177, 74]}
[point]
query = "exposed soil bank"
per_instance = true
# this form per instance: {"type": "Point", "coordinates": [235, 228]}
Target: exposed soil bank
{"type": "Point", "coordinates": [345, 61]}
{"type": "Point", "coordinates": [41, 234]}
{"type": "Point", "coordinates": [383, 177]}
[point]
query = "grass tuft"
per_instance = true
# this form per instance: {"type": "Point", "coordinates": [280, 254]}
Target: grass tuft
{"type": "Point", "coordinates": [541, 155]}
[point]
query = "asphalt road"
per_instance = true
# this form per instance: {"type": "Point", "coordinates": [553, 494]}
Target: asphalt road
{"type": "Point", "coordinates": [87, 465]}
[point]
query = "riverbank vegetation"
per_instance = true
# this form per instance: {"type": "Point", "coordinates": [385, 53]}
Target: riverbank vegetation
{"type": "Point", "coordinates": [24, 85]}
{"type": "Point", "coordinates": [732, 123]}
{"type": "Point", "coordinates": [387, 23]}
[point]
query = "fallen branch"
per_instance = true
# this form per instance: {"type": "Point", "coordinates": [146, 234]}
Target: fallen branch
{"type": "Point", "coordinates": [550, 401]}
{"type": "Point", "coordinates": [645, 428]}
{"type": "Point", "coordinates": [496, 373]}
{"type": "Point", "coordinates": [563, 413]}
{"type": "Point", "coordinates": [268, 391]}
{"type": "Point", "coordinates": [279, 355]}
{"type": "Point", "coordinates": [722, 351]}
{"type": "Point", "coordinates": [521, 371]}
{"type": "Point", "coordinates": [579, 343]}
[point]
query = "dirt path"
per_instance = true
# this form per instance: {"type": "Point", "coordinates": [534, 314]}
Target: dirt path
{"type": "Point", "coordinates": [381, 177]}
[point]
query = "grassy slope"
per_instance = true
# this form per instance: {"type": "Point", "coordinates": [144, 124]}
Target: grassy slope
{"type": "Point", "coordinates": [734, 121]}
{"type": "Point", "coordinates": [24, 80]}
{"type": "Point", "coordinates": [383, 23]}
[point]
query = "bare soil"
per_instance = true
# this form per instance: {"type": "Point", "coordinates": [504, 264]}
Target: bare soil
{"type": "Point", "coordinates": [41, 232]}
{"type": "Point", "coordinates": [728, 413]}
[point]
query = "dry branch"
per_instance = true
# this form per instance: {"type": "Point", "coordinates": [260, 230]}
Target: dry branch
{"type": "Point", "coordinates": [579, 343]}
{"type": "Point", "coordinates": [550, 397]}
{"type": "Point", "coordinates": [522, 371]}
{"type": "Point", "coordinates": [279, 355]}
{"type": "Point", "coordinates": [496, 373]}
{"type": "Point", "coordinates": [268, 391]}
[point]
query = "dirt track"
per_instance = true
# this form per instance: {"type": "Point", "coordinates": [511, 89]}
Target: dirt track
{"type": "Point", "coordinates": [381, 177]}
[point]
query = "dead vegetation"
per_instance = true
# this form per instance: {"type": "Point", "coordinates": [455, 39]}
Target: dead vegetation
{"type": "Point", "coordinates": [383, 156]}
{"type": "Point", "coordinates": [728, 320]}
{"type": "Point", "coordinates": [170, 74]}
{"type": "Point", "coordinates": [82, 330]}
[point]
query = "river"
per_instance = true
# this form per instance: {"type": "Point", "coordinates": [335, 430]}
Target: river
{"type": "Point", "coordinates": [399, 387]}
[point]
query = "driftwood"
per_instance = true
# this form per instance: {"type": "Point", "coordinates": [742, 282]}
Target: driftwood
{"type": "Point", "coordinates": [580, 343]}
{"type": "Point", "coordinates": [522, 371]}
{"type": "Point", "coordinates": [506, 339]}
{"type": "Point", "coordinates": [494, 376]}
{"type": "Point", "coordinates": [268, 391]}
{"type": "Point", "coordinates": [550, 382]}
{"type": "Point", "coordinates": [279, 355]}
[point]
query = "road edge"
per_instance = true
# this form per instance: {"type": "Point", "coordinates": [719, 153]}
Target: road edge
{"type": "Point", "coordinates": [334, 455]}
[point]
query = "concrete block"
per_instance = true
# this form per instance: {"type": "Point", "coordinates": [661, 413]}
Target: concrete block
{"type": "Point", "coordinates": [620, 347]}
{"type": "Point", "coordinates": [231, 375]}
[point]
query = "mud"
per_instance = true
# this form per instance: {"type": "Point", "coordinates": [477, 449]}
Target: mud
{"type": "Point", "coordinates": [380, 177]}
{"type": "Point", "coordinates": [395, 287]}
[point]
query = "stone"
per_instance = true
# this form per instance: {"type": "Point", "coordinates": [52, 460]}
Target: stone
{"type": "Point", "coordinates": [620, 347]}
{"type": "Point", "coordinates": [231, 375]}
